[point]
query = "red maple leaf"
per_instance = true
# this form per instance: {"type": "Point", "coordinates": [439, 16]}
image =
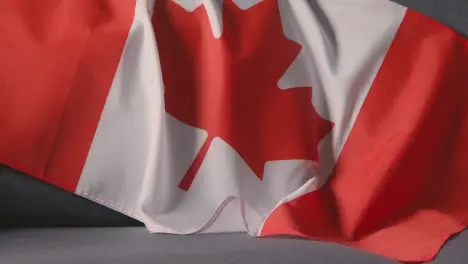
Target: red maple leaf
{"type": "Point", "coordinates": [228, 86]}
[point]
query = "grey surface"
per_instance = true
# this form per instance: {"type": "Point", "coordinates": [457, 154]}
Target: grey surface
{"type": "Point", "coordinates": [136, 245]}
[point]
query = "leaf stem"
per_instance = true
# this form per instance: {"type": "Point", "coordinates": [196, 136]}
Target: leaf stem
{"type": "Point", "coordinates": [189, 177]}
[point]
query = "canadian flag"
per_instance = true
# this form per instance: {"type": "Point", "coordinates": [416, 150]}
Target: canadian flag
{"type": "Point", "coordinates": [336, 120]}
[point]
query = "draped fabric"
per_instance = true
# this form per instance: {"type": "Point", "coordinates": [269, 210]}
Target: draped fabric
{"type": "Point", "coordinates": [342, 121]}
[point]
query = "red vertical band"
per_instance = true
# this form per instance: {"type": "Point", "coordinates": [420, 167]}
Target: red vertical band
{"type": "Point", "coordinates": [400, 187]}
{"type": "Point", "coordinates": [58, 60]}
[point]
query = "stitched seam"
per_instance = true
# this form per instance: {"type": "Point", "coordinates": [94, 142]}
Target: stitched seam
{"type": "Point", "coordinates": [110, 204]}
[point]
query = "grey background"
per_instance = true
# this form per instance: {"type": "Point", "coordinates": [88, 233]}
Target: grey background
{"type": "Point", "coordinates": [453, 13]}
{"type": "Point", "coordinates": [26, 202]}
